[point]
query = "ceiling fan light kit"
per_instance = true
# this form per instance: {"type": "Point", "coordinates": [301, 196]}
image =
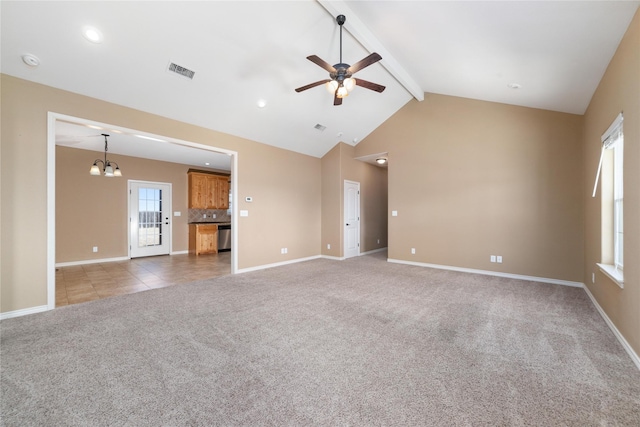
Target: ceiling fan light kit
{"type": "Point", "coordinates": [341, 81]}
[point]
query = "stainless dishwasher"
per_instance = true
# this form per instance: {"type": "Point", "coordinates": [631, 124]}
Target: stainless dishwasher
{"type": "Point", "coordinates": [224, 237]}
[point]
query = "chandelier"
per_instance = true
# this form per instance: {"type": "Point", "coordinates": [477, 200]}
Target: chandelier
{"type": "Point", "coordinates": [107, 167]}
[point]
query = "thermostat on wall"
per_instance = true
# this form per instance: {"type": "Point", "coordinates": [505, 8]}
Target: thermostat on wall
{"type": "Point", "coordinates": [248, 199]}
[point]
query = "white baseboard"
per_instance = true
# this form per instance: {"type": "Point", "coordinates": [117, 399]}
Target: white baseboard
{"type": "Point", "coordinates": [374, 251]}
{"type": "Point", "coordinates": [634, 356]}
{"type": "Point", "coordinates": [23, 312]}
{"type": "Point", "coordinates": [341, 258]}
{"type": "Point", "coordinates": [277, 264]}
{"type": "Point", "coordinates": [334, 258]}
{"type": "Point", "coordinates": [103, 260]}
{"type": "Point", "coordinates": [491, 273]}
{"type": "Point", "coordinates": [90, 261]}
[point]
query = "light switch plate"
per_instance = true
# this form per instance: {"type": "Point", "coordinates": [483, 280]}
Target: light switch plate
{"type": "Point", "coordinates": [394, 213]}
{"type": "Point", "coordinates": [244, 213]}
{"type": "Point", "coordinates": [177, 213]}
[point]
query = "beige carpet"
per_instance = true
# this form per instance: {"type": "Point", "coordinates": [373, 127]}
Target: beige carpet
{"type": "Point", "coordinates": [360, 342]}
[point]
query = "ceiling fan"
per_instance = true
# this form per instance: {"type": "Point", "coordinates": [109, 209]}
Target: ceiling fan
{"type": "Point", "coordinates": [341, 82]}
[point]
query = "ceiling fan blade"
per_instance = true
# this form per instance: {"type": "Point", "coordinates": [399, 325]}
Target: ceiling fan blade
{"type": "Point", "coordinates": [336, 100]}
{"type": "Point", "coordinates": [309, 86]}
{"type": "Point", "coordinates": [316, 60]}
{"type": "Point", "coordinates": [371, 86]}
{"type": "Point", "coordinates": [371, 59]}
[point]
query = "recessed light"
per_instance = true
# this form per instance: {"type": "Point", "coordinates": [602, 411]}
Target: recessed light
{"type": "Point", "coordinates": [207, 163]}
{"type": "Point", "coordinates": [262, 103]}
{"type": "Point", "coordinates": [514, 86]}
{"type": "Point", "coordinates": [30, 60]}
{"type": "Point", "coordinates": [92, 34]}
{"type": "Point", "coordinates": [381, 161]}
{"type": "Point", "coordinates": [355, 140]}
{"type": "Point", "coordinates": [339, 134]}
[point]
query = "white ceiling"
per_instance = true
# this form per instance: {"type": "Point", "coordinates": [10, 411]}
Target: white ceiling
{"type": "Point", "coordinates": [242, 52]}
{"type": "Point", "coordinates": [90, 136]}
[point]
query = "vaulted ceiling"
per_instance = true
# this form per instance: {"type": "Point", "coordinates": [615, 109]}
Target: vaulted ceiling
{"type": "Point", "coordinates": [541, 54]}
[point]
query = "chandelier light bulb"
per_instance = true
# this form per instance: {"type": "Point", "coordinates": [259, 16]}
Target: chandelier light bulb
{"type": "Point", "coordinates": [332, 86]}
{"type": "Point", "coordinates": [350, 83]}
{"type": "Point", "coordinates": [342, 92]}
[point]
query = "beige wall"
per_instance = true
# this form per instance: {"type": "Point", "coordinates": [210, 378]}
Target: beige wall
{"type": "Point", "coordinates": [471, 179]}
{"type": "Point", "coordinates": [285, 186]}
{"type": "Point", "coordinates": [338, 165]}
{"type": "Point", "coordinates": [332, 203]}
{"type": "Point", "coordinates": [619, 91]}
{"type": "Point", "coordinates": [92, 211]}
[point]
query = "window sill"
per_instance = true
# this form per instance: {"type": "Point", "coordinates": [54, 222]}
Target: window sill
{"type": "Point", "coordinates": [612, 273]}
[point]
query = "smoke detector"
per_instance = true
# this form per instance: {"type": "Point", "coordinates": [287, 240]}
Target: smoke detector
{"type": "Point", "coordinates": [30, 60]}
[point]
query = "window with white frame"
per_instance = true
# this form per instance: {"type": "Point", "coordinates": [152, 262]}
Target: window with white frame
{"type": "Point", "coordinates": [611, 172]}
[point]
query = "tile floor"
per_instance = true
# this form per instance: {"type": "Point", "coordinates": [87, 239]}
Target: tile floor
{"type": "Point", "coordinates": [90, 282]}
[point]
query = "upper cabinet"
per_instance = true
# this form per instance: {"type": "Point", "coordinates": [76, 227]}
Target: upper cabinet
{"type": "Point", "coordinates": [223, 192]}
{"type": "Point", "coordinates": [208, 191]}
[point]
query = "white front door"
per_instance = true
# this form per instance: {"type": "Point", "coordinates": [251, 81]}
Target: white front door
{"type": "Point", "coordinates": [351, 219]}
{"type": "Point", "coordinates": [149, 218]}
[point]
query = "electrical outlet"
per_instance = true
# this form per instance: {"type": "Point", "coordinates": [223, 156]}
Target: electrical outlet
{"type": "Point", "coordinates": [499, 259]}
{"type": "Point", "coordinates": [214, 216]}
{"type": "Point", "coordinates": [95, 249]}
{"type": "Point", "coordinates": [328, 245]}
{"type": "Point", "coordinates": [413, 251]}
{"type": "Point", "coordinates": [204, 215]}
{"type": "Point", "coordinates": [378, 241]}
{"type": "Point", "coordinates": [593, 277]}
{"type": "Point", "coordinates": [493, 258]}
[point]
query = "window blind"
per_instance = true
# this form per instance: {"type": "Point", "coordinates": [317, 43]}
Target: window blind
{"type": "Point", "coordinates": [609, 139]}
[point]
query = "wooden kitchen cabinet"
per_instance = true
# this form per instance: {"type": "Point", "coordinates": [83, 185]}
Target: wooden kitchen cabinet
{"type": "Point", "coordinates": [222, 193]}
{"type": "Point", "coordinates": [208, 191]}
{"type": "Point", "coordinates": [203, 239]}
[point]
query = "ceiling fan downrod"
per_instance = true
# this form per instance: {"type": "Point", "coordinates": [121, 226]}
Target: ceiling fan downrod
{"type": "Point", "coordinates": [341, 19]}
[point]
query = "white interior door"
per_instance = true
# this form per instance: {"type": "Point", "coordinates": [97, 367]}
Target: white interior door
{"type": "Point", "coordinates": [351, 219]}
{"type": "Point", "coordinates": [150, 218]}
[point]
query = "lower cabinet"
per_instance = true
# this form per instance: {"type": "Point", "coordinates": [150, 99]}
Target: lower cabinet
{"type": "Point", "coordinates": [203, 239]}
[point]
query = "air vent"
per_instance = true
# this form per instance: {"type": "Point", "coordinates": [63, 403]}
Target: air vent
{"type": "Point", "coordinates": [185, 72]}
{"type": "Point", "coordinates": [320, 127]}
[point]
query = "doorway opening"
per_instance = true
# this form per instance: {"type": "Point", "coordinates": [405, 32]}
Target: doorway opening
{"type": "Point", "coordinates": [149, 218]}
{"type": "Point", "coordinates": [154, 144]}
{"type": "Point", "coordinates": [351, 219]}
